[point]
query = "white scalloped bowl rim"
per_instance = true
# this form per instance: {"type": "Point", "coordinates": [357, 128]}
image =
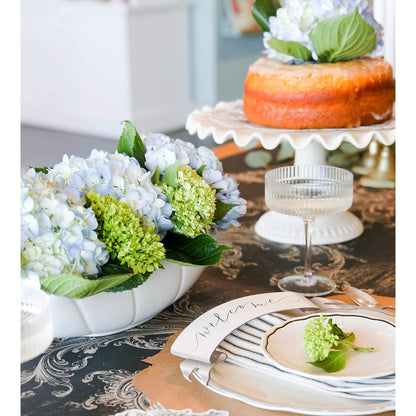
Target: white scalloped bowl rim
{"type": "Point", "coordinates": [107, 313]}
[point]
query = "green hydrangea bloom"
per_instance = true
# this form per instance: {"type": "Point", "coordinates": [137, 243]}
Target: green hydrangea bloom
{"type": "Point", "coordinates": [125, 237]}
{"type": "Point", "coordinates": [193, 202]}
{"type": "Point", "coordinates": [319, 338]}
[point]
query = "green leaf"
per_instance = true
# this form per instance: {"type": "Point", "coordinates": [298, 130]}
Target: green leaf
{"type": "Point", "coordinates": [156, 176]}
{"type": "Point", "coordinates": [132, 283]}
{"type": "Point", "coordinates": [45, 169]}
{"type": "Point", "coordinates": [169, 197]}
{"type": "Point", "coordinates": [200, 170]}
{"type": "Point", "coordinates": [349, 337]}
{"type": "Point", "coordinates": [295, 49]}
{"type": "Point", "coordinates": [221, 208]}
{"type": "Point", "coordinates": [199, 251]}
{"type": "Point", "coordinates": [335, 361]}
{"type": "Point", "coordinates": [113, 267]}
{"type": "Point", "coordinates": [78, 287]}
{"type": "Point", "coordinates": [342, 38]}
{"type": "Point", "coordinates": [131, 143]}
{"type": "Point", "coordinates": [262, 10]}
{"type": "Point", "coordinates": [170, 174]}
{"type": "Point", "coordinates": [340, 333]}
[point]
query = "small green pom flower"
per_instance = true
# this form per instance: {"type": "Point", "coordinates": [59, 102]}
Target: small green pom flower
{"type": "Point", "coordinates": [125, 237]}
{"type": "Point", "coordinates": [319, 338]}
{"type": "Point", "coordinates": [193, 202]}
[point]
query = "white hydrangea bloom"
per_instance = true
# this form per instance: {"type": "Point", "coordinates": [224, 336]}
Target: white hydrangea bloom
{"type": "Point", "coordinates": [56, 237]}
{"type": "Point", "coordinates": [161, 151]}
{"type": "Point", "coordinates": [297, 18]}
{"type": "Point", "coordinates": [114, 175]}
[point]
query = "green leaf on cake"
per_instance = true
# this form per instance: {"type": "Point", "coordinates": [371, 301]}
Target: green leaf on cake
{"type": "Point", "coordinates": [295, 49]}
{"type": "Point", "coordinates": [131, 144]}
{"type": "Point", "coordinates": [199, 251]}
{"type": "Point", "coordinates": [343, 37]}
{"type": "Point", "coordinates": [262, 10]}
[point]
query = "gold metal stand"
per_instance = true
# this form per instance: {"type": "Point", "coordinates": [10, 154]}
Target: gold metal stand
{"type": "Point", "coordinates": [369, 160]}
{"type": "Point", "coordinates": [383, 175]}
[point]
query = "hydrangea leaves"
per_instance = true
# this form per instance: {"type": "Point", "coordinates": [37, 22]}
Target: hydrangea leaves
{"type": "Point", "coordinates": [343, 37]}
{"type": "Point", "coordinates": [334, 39]}
{"type": "Point", "coordinates": [295, 49]}
{"type": "Point", "coordinates": [262, 10]}
{"type": "Point", "coordinates": [131, 144]}
{"type": "Point", "coordinates": [201, 250]}
{"type": "Point", "coordinates": [78, 287]}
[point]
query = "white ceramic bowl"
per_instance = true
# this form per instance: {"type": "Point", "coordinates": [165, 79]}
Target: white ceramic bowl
{"type": "Point", "coordinates": [107, 313]}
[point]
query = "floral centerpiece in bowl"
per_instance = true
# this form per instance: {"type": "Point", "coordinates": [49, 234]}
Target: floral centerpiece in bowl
{"type": "Point", "coordinates": [115, 237]}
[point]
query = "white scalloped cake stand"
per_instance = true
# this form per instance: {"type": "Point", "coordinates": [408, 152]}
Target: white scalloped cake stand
{"type": "Point", "coordinates": [226, 121]}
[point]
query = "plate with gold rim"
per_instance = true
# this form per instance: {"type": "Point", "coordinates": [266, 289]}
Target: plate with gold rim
{"type": "Point", "coordinates": [283, 347]}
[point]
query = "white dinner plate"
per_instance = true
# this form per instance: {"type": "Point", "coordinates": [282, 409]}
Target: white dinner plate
{"type": "Point", "coordinates": [283, 346]}
{"type": "Point", "coordinates": [266, 392]}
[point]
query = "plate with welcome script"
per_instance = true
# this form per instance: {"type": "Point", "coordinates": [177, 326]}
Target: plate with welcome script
{"type": "Point", "coordinates": [283, 347]}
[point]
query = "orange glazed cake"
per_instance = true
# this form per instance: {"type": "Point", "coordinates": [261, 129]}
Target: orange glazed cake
{"type": "Point", "coordinates": [345, 94]}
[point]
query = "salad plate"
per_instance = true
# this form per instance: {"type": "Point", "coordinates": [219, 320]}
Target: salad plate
{"type": "Point", "coordinates": [283, 347]}
{"type": "Point", "coordinates": [248, 376]}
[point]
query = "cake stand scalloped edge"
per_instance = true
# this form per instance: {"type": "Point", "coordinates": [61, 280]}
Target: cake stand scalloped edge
{"type": "Point", "coordinates": [226, 121]}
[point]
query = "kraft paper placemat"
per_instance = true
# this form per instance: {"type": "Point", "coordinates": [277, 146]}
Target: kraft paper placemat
{"type": "Point", "coordinates": [163, 382]}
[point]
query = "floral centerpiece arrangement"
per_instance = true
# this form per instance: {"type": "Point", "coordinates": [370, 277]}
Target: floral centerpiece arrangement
{"type": "Point", "coordinates": [299, 31]}
{"type": "Point", "coordinates": [105, 222]}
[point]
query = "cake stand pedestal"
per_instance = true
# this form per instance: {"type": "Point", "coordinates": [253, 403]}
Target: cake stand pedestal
{"type": "Point", "coordinates": [226, 121]}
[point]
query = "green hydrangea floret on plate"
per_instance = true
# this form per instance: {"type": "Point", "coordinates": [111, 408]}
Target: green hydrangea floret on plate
{"type": "Point", "coordinates": [125, 237]}
{"type": "Point", "coordinates": [319, 338]}
{"type": "Point", "coordinates": [327, 344]}
{"type": "Point", "coordinates": [193, 201]}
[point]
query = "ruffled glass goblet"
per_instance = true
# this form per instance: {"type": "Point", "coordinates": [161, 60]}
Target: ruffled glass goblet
{"type": "Point", "coordinates": [308, 191]}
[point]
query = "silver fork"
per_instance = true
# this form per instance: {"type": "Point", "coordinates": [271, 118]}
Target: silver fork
{"type": "Point", "coordinates": [159, 410]}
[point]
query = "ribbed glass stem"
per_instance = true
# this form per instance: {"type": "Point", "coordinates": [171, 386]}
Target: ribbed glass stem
{"type": "Point", "coordinates": [308, 242]}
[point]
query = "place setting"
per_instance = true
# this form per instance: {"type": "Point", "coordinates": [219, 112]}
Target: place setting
{"type": "Point", "coordinates": [271, 352]}
{"type": "Point", "coordinates": [266, 366]}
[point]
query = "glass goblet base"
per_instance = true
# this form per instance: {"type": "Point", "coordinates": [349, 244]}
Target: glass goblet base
{"type": "Point", "coordinates": [315, 286]}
